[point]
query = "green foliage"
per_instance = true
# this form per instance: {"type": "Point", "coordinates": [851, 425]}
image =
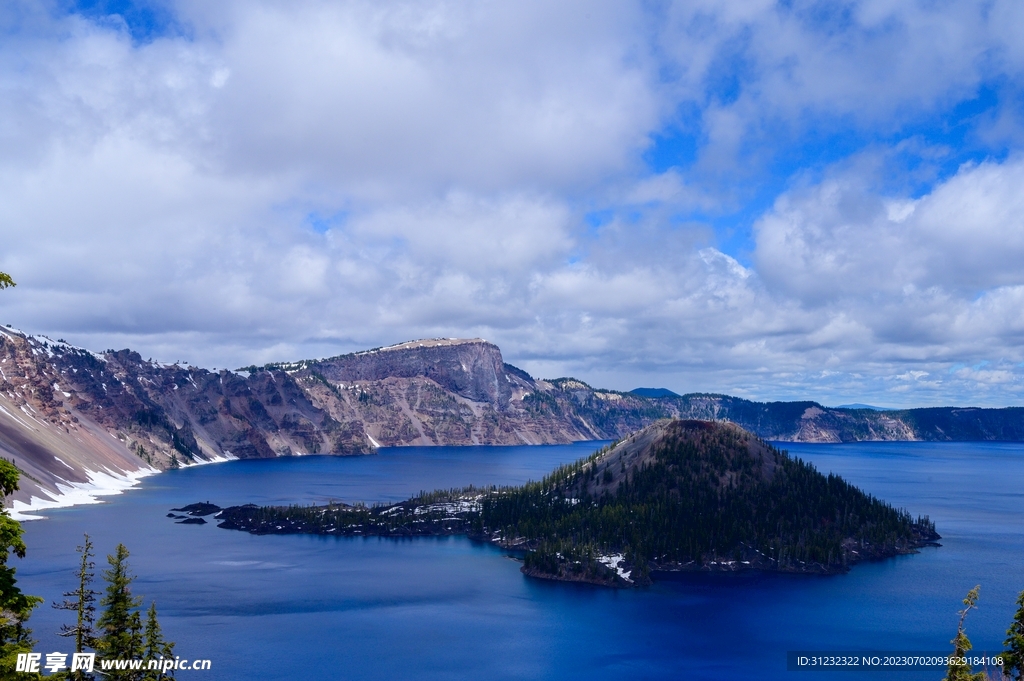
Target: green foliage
{"type": "Point", "coordinates": [15, 606]}
{"type": "Point", "coordinates": [120, 625]}
{"type": "Point", "coordinates": [156, 646]}
{"type": "Point", "coordinates": [119, 633]}
{"type": "Point", "coordinates": [82, 601]}
{"type": "Point", "coordinates": [451, 495]}
{"type": "Point", "coordinates": [180, 445]}
{"type": "Point", "coordinates": [569, 561]}
{"type": "Point", "coordinates": [6, 281]}
{"type": "Point", "coordinates": [569, 383]}
{"type": "Point", "coordinates": [446, 512]}
{"type": "Point", "coordinates": [704, 496]}
{"type": "Point", "coordinates": [962, 644]}
{"type": "Point", "coordinates": [540, 403]}
{"type": "Point", "coordinates": [143, 454]}
{"type": "Point", "coordinates": [1013, 658]}
{"type": "Point", "coordinates": [8, 478]}
{"type": "Point", "coordinates": [320, 378]}
{"type": "Point", "coordinates": [153, 418]}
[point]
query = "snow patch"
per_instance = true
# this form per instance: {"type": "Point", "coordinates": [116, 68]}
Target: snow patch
{"type": "Point", "coordinates": [451, 508]}
{"type": "Point", "coordinates": [101, 483]}
{"type": "Point", "coordinates": [11, 331]}
{"type": "Point", "coordinates": [45, 342]}
{"type": "Point", "coordinates": [613, 561]}
{"type": "Point", "coordinates": [228, 456]}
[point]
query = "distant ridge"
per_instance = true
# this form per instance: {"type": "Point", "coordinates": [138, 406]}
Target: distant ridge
{"type": "Point", "coordinates": [654, 392]}
{"type": "Point", "coordinates": [858, 405]}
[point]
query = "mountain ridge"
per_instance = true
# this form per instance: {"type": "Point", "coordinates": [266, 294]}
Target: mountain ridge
{"type": "Point", "coordinates": [77, 422]}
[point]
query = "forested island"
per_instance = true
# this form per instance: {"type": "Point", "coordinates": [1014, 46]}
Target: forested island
{"type": "Point", "coordinates": [679, 495]}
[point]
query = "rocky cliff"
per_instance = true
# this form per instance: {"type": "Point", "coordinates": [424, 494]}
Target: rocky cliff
{"type": "Point", "coordinates": [459, 392]}
{"type": "Point", "coordinates": [79, 423]}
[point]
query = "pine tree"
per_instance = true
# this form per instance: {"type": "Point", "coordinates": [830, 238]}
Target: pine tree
{"type": "Point", "coordinates": [83, 603]}
{"type": "Point", "coordinates": [962, 644]}
{"type": "Point", "coordinates": [1013, 658]}
{"type": "Point", "coordinates": [156, 646]}
{"type": "Point", "coordinates": [15, 607]}
{"type": "Point", "coordinates": [120, 625]}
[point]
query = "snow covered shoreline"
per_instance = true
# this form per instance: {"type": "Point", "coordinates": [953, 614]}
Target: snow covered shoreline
{"type": "Point", "coordinates": [101, 484]}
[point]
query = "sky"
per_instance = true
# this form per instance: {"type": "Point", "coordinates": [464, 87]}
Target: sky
{"type": "Point", "coordinates": [775, 200]}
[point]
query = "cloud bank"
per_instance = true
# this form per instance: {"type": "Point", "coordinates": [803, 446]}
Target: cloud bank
{"type": "Point", "coordinates": [802, 200]}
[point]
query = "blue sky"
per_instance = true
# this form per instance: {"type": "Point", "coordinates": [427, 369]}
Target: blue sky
{"type": "Point", "coordinates": [779, 200]}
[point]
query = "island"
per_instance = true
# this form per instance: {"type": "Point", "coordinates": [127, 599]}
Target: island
{"type": "Point", "coordinates": [678, 495]}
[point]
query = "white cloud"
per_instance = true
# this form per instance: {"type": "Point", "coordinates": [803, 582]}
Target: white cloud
{"type": "Point", "coordinates": [937, 284]}
{"type": "Point", "coordinates": [304, 178]}
{"type": "Point", "coordinates": [411, 96]}
{"type": "Point", "coordinates": [761, 71]}
{"type": "Point", "coordinates": [837, 240]}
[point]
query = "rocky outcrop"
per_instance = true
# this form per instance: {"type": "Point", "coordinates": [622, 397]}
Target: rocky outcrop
{"type": "Point", "coordinates": [472, 369]}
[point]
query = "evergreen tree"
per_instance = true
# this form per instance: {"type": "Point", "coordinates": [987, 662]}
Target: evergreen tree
{"type": "Point", "coordinates": [701, 496]}
{"type": "Point", "coordinates": [15, 607]}
{"type": "Point", "coordinates": [83, 603]}
{"type": "Point", "coordinates": [962, 644]}
{"type": "Point", "coordinates": [1013, 658]}
{"type": "Point", "coordinates": [156, 646]}
{"type": "Point", "coordinates": [120, 625]}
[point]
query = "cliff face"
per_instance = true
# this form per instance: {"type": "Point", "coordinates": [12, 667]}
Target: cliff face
{"type": "Point", "coordinates": [472, 369]}
{"type": "Point", "coordinates": [456, 392]}
{"type": "Point", "coordinates": [77, 423]}
{"type": "Point", "coordinates": [74, 419]}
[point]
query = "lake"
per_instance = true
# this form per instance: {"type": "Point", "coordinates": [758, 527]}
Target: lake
{"type": "Point", "coordinates": [290, 607]}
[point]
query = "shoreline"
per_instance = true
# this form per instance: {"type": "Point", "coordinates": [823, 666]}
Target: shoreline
{"type": "Point", "coordinates": [449, 517]}
{"type": "Point", "coordinates": [102, 483]}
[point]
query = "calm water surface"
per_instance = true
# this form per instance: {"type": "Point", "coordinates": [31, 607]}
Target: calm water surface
{"type": "Point", "coordinates": [286, 607]}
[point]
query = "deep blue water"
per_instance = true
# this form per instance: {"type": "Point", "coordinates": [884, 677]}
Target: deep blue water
{"type": "Point", "coordinates": [286, 607]}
